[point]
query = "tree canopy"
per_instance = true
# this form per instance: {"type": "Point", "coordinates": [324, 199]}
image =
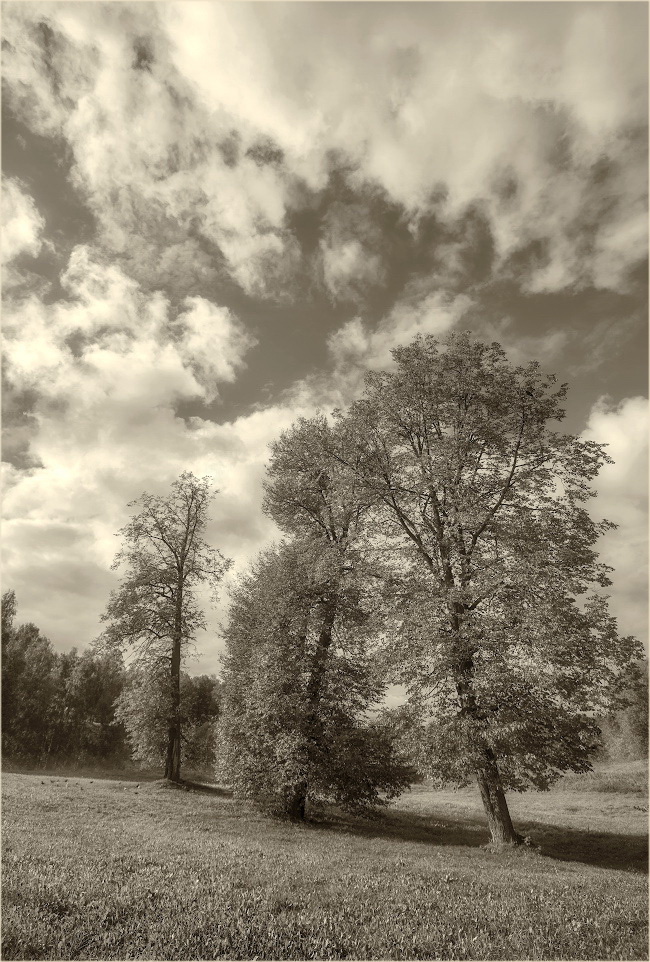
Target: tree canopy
{"type": "Point", "coordinates": [298, 684]}
{"type": "Point", "coordinates": [501, 631]}
{"type": "Point", "coordinates": [155, 614]}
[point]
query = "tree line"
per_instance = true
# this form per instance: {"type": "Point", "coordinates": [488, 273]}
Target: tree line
{"type": "Point", "coordinates": [87, 708]}
{"type": "Point", "coordinates": [434, 535]}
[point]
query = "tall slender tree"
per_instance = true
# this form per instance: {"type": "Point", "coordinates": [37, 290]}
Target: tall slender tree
{"type": "Point", "coordinates": [503, 638]}
{"type": "Point", "coordinates": [154, 615]}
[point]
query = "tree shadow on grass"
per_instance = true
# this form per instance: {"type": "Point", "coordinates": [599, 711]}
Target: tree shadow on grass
{"type": "Point", "coordinates": [602, 849]}
{"type": "Point", "coordinates": [187, 785]}
{"type": "Point", "coordinates": [628, 853]}
{"type": "Point", "coordinates": [206, 788]}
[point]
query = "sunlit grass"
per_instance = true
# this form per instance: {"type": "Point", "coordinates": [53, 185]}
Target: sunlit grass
{"type": "Point", "coordinates": [121, 870]}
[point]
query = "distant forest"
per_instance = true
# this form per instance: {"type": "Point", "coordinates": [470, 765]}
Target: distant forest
{"type": "Point", "coordinates": [79, 708]}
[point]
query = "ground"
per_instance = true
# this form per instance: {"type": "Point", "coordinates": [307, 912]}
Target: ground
{"type": "Point", "coordinates": [121, 869]}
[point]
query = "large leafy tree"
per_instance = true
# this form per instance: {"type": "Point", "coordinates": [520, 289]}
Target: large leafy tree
{"type": "Point", "coordinates": [155, 614]}
{"type": "Point", "coordinates": [502, 635]}
{"type": "Point", "coordinates": [298, 637]}
{"type": "Point", "coordinates": [297, 686]}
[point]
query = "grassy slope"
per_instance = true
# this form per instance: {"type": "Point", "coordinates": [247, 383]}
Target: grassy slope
{"type": "Point", "coordinates": [113, 870]}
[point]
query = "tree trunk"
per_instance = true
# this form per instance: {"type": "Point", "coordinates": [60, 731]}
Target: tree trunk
{"type": "Point", "coordinates": [173, 764]}
{"type": "Point", "coordinates": [297, 804]}
{"type": "Point", "coordinates": [502, 831]}
{"type": "Point", "coordinates": [319, 663]}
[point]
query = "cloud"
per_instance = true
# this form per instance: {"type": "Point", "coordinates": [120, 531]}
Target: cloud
{"type": "Point", "coordinates": [212, 342]}
{"type": "Point", "coordinates": [208, 120]}
{"type": "Point", "coordinates": [22, 227]}
{"type": "Point", "coordinates": [128, 347]}
{"type": "Point", "coordinates": [348, 267]}
{"type": "Point", "coordinates": [351, 251]}
{"type": "Point", "coordinates": [63, 516]}
{"type": "Point", "coordinates": [107, 368]}
{"type": "Point", "coordinates": [196, 133]}
{"type": "Point", "coordinates": [622, 497]}
{"type": "Point", "coordinates": [22, 223]}
{"type": "Point", "coordinates": [356, 348]}
{"type": "Point", "coordinates": [355, 345]}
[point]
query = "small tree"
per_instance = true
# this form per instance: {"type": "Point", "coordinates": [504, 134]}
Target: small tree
{"type": "Point", "coordinates": [154, 615]}
{"type": "Point", "coordinates": [506, 649]}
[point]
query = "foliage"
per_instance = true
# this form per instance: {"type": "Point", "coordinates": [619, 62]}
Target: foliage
{"type": "Point", "coordinates": [167, 559]}
{"type": "Point", "coordinates": [154, 615]}
{"type": "Point", "coordinates": [501, 634]}
{"type": "Point", "coordinates": [144, 706]}
{"type": "Point", "coordinates": [56, 705]}
{"type": "Point", "coordinates": [294, 723]}
{"type": "Point", "coordinates": [299, 680]}
{"type": "Point", "coordinates": [625, 732]}
{"type": "Point", "coordinates": [28, 692]}
{"type": "Point", "coordinates": [87, 688]}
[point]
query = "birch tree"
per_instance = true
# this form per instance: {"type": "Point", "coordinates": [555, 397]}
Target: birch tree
{"type": "Point", "coordinates": [154, 615]}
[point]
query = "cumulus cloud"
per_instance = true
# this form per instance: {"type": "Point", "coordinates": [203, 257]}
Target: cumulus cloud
{"type": "Point", "coordinates": [21, 222]}
{"type": "Point", "coordinates": [196, 134]}
{"type": "Point", "coordinates": [128, 347]}
{"type": "Point", "coordinates": [347, 267]}
{"type": "Point", "coordinates": [213, 114]}
{"type": "Point", "coordinates": [622, 497]}
{"type": "Point", "coordinates": [355, 345]}
{"type": "Point", "coordinates": [108, 367]}
{"type": "Point", "coordinates": [22, 227]}
{"type": "Point", "coordinates": [351, 251]}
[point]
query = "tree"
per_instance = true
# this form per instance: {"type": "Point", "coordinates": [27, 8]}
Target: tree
{"type": "Point", "coordinates": [297, 686]}
{"type": "Point", "coordinates": [28, 686]}
{"type": "Point", "coordinates": [625, 732]}
{"type": "Point", "coordinates": [503, 638]}
{"type": "Point", "coordinates": [56, 705]}
{"type": "Point", "coordinates": [88, 687]}
{"type": "Point", "coordinates": [143, 708]}
{"type": "Point", "coordinates": [8, 614]}
{"type": "Point", "coordinates": [299, 682]}
{"type": "Point", "coordinates": [201, 706]}
{"type": "Point", "coordinates": [154, 614]}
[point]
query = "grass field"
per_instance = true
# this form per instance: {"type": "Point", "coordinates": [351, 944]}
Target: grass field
{"type": "Point", "coordinates": [119, 869]}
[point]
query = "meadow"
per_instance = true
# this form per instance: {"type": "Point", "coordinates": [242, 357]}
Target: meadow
{"type": "Point", "coordinates": [115, 868]}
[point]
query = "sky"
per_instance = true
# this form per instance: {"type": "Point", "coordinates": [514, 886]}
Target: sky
{"type": "Point", "coordinates": [218, 216]}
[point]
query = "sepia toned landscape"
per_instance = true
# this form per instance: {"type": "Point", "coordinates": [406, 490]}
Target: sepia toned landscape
{"type": "Point", "coordinates": [325, 480]}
